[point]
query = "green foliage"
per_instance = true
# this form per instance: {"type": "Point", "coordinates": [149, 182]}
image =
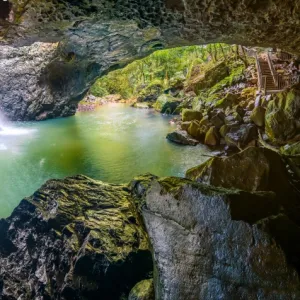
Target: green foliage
{"type": "Point", "coordinates": [162, 69]}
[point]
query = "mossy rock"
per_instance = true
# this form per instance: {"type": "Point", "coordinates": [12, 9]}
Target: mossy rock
{"type": "Point", "coordinates": [166, 104]}
{"type": "Point", "coordinates": [228, 101]}
{"type": "Point", "coordinates": [240, 135]}
{"type": "Point", "coordinates": [213, 75]}
{"type": "Point", "coordinates": [143, 290]}
{"type": "Point", "coordinates": [190, 115]}
{"type": "Point", "coordinates": [282, 116]}
{"type": "Point", "coordinates": [211, 137]}
{"type": "Point", "coordinates": [195, 130]}
{"type": "Point", "coordinates": [258, 116]}
{"type": "Point", "coordinates": [254, 169]}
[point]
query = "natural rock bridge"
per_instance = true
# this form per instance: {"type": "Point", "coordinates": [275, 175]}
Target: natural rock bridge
{"type": "Point", "coordinates": [83, 40]}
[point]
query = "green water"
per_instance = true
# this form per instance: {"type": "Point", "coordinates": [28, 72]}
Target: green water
{"type": "Point", "coordinates": [113, 144]}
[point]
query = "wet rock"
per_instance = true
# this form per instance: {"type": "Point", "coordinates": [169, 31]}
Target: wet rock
{"type": "Point", "coordinates": [254, 169]}
{"type": "Point", "coordinates": [218, 120]}
{"type": "Point", "coordinates": [241, 135]}
{"type": "Point", "coordinates": [196, 131]}
{"type": "Point", "coordinates": [231, 236]}
{"type": "Point", "coordinates": [228, 101]}
{"type": "Point", "coordinates": [144, 290]}
{"type": "Point", "coordinates": [282, 115]}
{"type": "Point", "coordinates": [258, 116]}
{"type": "Point", "coordinates": [97, 37]}
{"type": "Point", "coordinates": [73, 239]}
{"type": "Point", "coordinates": [211, 137]}
{"type": "Point", "coordinates": [166, 104]}
{"type": "Point", "coordinates": [182, 137]}
{"type": "Point", "coordinates": [185, 125]}
{"type": "Point", "coordinates": [141, 105]}
{"type": "Point", "coordinates": [190, 115]}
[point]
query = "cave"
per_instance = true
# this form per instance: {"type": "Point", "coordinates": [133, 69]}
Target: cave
{"type": "Point", "coordinates": [5, 8]}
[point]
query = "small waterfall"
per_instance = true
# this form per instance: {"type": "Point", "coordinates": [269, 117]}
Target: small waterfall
{"type": "Point", "coordinates": [8, 128]}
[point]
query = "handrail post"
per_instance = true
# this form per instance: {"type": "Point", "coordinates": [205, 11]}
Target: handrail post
{"type": "Point", "coordinates": [270, 62]}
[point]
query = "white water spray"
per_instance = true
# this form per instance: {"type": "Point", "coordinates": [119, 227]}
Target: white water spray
{"type": "Point", "coordinates": [8, 129]}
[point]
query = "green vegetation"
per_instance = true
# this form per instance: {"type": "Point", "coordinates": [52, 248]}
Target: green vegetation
{"type": "Point", "coordinates": [168, 68]}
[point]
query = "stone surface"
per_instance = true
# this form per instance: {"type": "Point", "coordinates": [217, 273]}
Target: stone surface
{"type": "Point", "coordinates": [182, 137]}
{"type": "Point", "coordinates": [258, 116]}
{"type": "Point", "coordinates": [166, 104]}
{"type": "Point", "coordinates": [191, 115]}
{"type": "Point", "coordinates": [73, 239]}
{"type": "Point", "coordinates": [282, 116]}
{"type": "Point", "coordinates": [211, 137]}
{"type": "Point", "coordinates": [213, 243]}
{"type": "Point", "coordinates": [240, 135]}
{"type": "Point", "coordinates": [254, 169]}
{"type": "Point", "coordinates": [144, 290]}
{"type": "Point", "coordinates": [98, 36]}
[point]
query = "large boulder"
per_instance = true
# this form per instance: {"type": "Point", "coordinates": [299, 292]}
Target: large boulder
{"type": "Point", "coordinates": [240, 135]}
{"type": "Point", "coordinates": [254, 169]}
{"type": "Point", "coordinates": [191, 115]}
{"type": "Point", "coordinates": [211, 137]}
{"type": "Point", "coordinates": [211, 243]}
{"type": "Point", "coordinates": [258, 116]}
{"type": "Point", "coordinates": [282, 116]}
{"type": "Point", "coordinates": [166, 104]}
{"type": "Point", "coordinates": [144, 290]}
{"type": "Point", "coordinates": [182, 137]}
{"type": "Point", "coordinates": [73, 239]}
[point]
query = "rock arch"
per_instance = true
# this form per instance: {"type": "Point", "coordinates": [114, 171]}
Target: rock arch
{"type": "Point", "coordinates": [106, 34]}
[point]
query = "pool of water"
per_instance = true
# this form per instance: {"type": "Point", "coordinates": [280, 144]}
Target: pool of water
{"type": "Point", "coordinates": [113, 144]}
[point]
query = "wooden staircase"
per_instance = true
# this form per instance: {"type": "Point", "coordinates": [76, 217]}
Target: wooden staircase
{"type": "Point", "coordinates": [267, 76]}
{"type": "Point", "coordinates": [269, 81]}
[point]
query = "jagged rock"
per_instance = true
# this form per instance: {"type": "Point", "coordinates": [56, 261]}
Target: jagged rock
{"type": "Point", "coordinates": [196, 130]}
{"type": "Point", "coordinates": [144, 290]}
{"type": "Point", "coordinates": [241, 135]}
{"type": "Point", "coordinates": [185, 125]}
{"type": "Point", "coordinates": [223, 130]}
{"type": "Point", "coordinates": [166, 104]}
{"type": "Point", "coordinates": [99, 36]}
{"type": "Point", "coordinates": [191, 115]}
{"type": "Point", "coordinates": [182, 137]}
{"type": "Point", "coordinates": [212, 243]}
{"type": "Point", "coordinates": [211, 137]}
{"type": "Point", "coordinates": [254, 169]}
{"type": "Point", "coordinates": [142, 105]}
{"type": "Point", "coordinates": [218, 120]}
{"type": "Point", "coordinates": [282, 115]}
{"type": "Point", "coordinates": [258, 116]}
{"type": "Point", "coordinates": [228, 101]}
{"type": "Point", "coordinates": [73, 239]}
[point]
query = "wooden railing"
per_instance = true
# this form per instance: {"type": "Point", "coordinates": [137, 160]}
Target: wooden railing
{"type": "Point", "coordinates": [271, 66]}
{"type": "Point", "coordinates": [281, 81]}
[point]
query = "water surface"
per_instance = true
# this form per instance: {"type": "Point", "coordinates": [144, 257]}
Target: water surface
{"type": "Point", "coordinates": [113, 144]}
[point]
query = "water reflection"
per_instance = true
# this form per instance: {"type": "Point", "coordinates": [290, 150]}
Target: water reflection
{"type": "Point", "coordinates": [112, 144]}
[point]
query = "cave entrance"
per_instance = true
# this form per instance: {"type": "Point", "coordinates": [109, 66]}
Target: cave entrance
{"type": "Point", "coordinates": [5, 8]}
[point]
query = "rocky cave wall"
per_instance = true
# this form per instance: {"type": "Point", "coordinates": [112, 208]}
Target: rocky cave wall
{"type": "Point", "coordinates": [97, 36]}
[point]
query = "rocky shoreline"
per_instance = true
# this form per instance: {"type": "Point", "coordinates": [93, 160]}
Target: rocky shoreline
{"type": "Point", "coordinates": [78, 238]}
